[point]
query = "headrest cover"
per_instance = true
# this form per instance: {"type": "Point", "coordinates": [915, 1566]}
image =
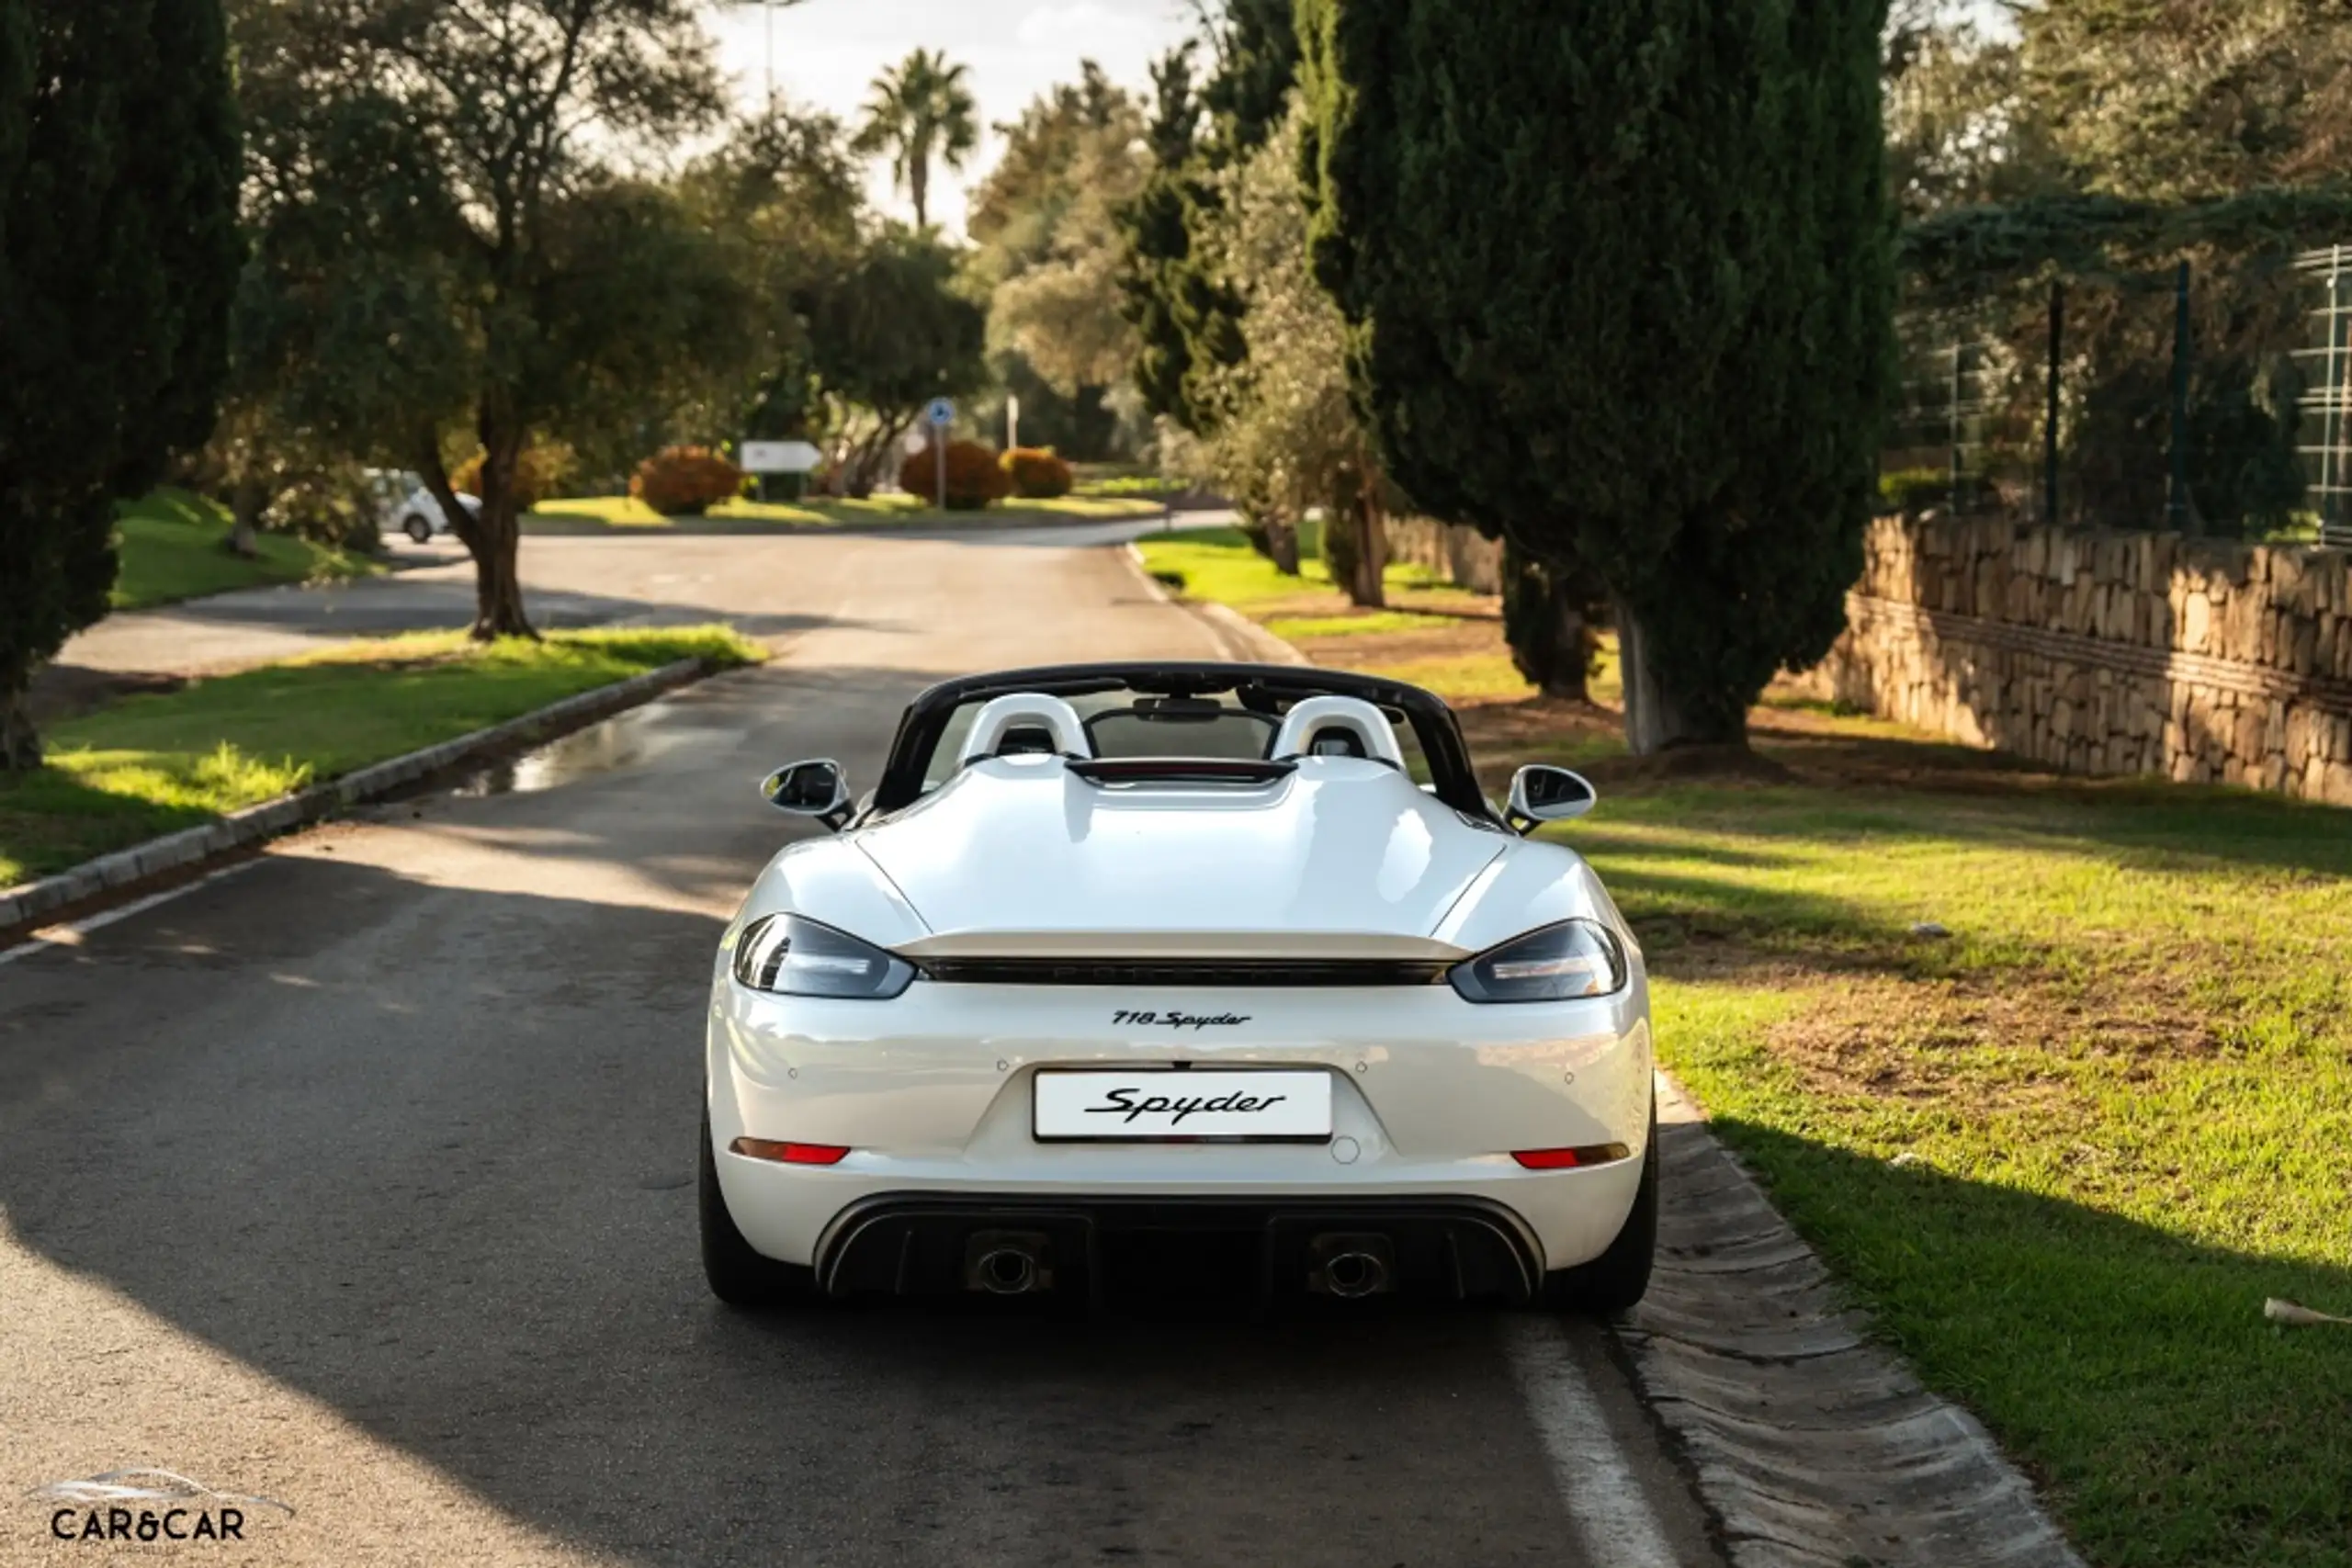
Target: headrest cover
{"type": "Point", "coordinates": [1316, 714]}
{"type": "Point", "coordinates": [1026, 710]}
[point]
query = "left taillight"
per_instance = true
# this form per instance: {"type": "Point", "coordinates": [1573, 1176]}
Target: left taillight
{"type": "Point", "coordinates": [786, 955]}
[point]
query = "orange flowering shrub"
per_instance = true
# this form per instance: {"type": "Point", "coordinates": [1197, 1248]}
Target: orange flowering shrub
{"type": "Point", "coordinates": [975, 477]}
{"type": "Point", "coordinates": [1039, 473]}
{"type": "Point", "coordinates": [680, 482]}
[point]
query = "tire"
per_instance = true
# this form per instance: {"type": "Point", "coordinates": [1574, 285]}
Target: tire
{"type": "Point", "coordinates": [1616, 1280]}
{"type": "Point", "coordinates": [417, 528]}
{"type": "Point", "coordinates": [738, 1275]}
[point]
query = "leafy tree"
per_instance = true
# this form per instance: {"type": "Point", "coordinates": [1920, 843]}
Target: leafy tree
{"type": "Point", "coordinates": [887, 334]}
{"type": "Point", "coordinates": [1282, 436]}
{"type": "Point", "coordinates": [1185, 302]}
{"type": "Point", "coordinates": [1047, 252]}
{"type": "Point", "coordinates": [920, 109]}
{"type": "Point", "coordinates": [118, 253]}
{"type": "Point", "coordinates": [780, 196]}
{"type": "Point", "coordinates": [449, 232]}
{"type": "Point", "coordinates": [1626, 303]}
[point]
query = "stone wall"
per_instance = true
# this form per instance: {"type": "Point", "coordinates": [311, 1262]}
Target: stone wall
{"type": "Point", "coordinates": [1467, 560]}
{"type": "Point", "coordinates": [2109, 653]}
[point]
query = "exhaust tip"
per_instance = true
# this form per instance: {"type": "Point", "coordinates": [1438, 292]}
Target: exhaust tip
{"type": "Point", "coordinates": [1353, 1274]}
{"type": "Point", "coordinates": [1007, 1263]}
{"type": "Point", "coordinates": [1008, 1271]}
{"type": "Point", "coordinates": [1351, 1266]}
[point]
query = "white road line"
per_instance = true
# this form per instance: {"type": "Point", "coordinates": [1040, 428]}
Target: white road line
{"type": "Point", "coordinates": [70, 935]}
{"type": "Point", "coordinates": [1618, 1527]}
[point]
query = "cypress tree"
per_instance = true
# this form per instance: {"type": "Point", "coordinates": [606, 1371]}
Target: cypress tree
{"type": "Point", "coordinates": [1618, 284]}
{"type": "Point", "coordinates": [118, 256]}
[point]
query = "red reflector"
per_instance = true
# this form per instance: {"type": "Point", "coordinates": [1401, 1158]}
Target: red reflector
{"type": "Point", "coordinates": [1569, 1159]}
{"type": "Point", "coordinates": [789, 1154]}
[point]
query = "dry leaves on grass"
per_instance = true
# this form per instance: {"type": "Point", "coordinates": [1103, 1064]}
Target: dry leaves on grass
{"type": "Point", "coordinates": [2010, 1042]}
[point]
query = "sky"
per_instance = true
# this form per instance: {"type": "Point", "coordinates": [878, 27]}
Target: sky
{"type": "Point", "coordinates": [828, 50]}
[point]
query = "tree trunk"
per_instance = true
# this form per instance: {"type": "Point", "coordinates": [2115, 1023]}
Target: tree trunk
{"type": "Point", "coordinates": [246, 503]}
{"type": "Point", "coordinates": [1281, 547]}
{"type": "Point", "coordinates": [493, 538]}
{"type": "Point", "coordinates": [19, 742]}
{"type": "Point", "coordinates": [1371, 588]}
{"type": "Point", "coordinates": [1658, 716]}
{"type": "Point", "coordinates": [1355, 548]}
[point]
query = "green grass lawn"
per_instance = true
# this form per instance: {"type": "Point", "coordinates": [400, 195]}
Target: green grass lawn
{"type": "Point", "coordinates": [2120, 1089]}
{"type": "Point", "coordinates": [1432, 634]}
{"type": "Point", "coordinates": [881, 510]}
{"type": "Point", "coordinates": [174, 547]}
{"type": "Point", "coordinates": [154, 765]}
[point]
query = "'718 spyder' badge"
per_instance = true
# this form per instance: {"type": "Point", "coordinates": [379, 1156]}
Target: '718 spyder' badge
{"type": "Point", "coordinates": [1179, 1019]}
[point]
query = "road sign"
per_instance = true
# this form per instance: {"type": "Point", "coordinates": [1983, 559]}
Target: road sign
{"type": "Point", "coordinates": [780, 458]}
{"type": "Point", "coordinates": [941, 414]}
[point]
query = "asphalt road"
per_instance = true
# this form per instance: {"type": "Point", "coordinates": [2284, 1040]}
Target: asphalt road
{"type": "Point", "coordinates": [568, 580]}
{"type": "Point", "coordinates": [360, 1180]}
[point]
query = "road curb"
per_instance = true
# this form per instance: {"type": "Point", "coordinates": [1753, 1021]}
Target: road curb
{"type": "Point", "coordinates": [23, 904]}
{"type": "Point", "coordinates": [1812, 1445]}
{"type": "Point", "coordinates": [1243, 638]}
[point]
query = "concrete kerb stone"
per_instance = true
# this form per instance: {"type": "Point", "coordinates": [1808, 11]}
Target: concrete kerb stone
{"type": "Point", "coordinates": [1811, 1443]}
{"type": "Point", "coordinates": [23, 904]}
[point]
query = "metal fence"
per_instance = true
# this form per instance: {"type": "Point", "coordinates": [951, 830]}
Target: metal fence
{"type": "Point", "coordinates": [2324, 432]}
{"type": "Point", "coordinates": [1938, 422]}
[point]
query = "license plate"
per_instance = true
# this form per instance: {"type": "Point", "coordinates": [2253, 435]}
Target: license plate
{"type": "Point", "coordinates": [1095, 1107]}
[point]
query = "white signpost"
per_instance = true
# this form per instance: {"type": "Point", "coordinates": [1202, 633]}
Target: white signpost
{"type": "Point", "coordinates": [939, 416]}
{"type": "Point", "coordinates": [793, 460]}
{"type": "Point", "coordinates": [780, 458]}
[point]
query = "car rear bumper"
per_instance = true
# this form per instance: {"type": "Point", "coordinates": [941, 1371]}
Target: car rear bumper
{"type": "Point", "coordinates": [932, 1094]}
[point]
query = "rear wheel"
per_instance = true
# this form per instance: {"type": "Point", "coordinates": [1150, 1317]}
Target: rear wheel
{"type": "Point", "coordinates": [1617, 1280]}
{"type": "Point", "coordinates": [738, 1275]}
{"type": "Point", "coordinates": [416, 528]}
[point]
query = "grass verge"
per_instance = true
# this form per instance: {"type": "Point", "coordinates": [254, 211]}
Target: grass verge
{"type": "Point", "coordinates": [2063, 1153]}
{"type": "Point", "coordinates": [154, 765]}
{"type": "Point", "coordinates": [881, 510]}
{"type": "Point", "coordinates": [173, 546]}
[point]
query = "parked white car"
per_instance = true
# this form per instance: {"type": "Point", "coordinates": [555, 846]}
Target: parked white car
{"type": "Point", "coordinates": [409, 506]}
{"type": "Point", "coordinates": [1116, 949]}
{"type": "Point", "coordinates": [421, 516]}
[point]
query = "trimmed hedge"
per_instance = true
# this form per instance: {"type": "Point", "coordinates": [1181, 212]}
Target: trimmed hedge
{"type": "Point", "coordinates": [682, 481]}
{"type": "Point", "coordinates": [975, 477]}
{"type": "Point", "coordinates": [1039, 473]}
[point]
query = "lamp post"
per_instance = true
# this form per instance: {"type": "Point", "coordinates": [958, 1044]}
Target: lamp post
{"type": "Point", "coordinates": [770, 8]}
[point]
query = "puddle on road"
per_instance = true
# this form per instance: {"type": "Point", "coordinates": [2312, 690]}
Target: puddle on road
{"type": "Point", "coordinates": [621, 741]}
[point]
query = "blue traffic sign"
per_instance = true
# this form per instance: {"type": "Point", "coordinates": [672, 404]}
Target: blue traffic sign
{"type": "Point", "coordinates": [942, 413]}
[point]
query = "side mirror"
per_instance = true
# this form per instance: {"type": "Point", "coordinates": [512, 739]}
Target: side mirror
{"type": "Point", "coordinates": [1539, 794]}
{"type": "Point", "coordinates": [809, 789]}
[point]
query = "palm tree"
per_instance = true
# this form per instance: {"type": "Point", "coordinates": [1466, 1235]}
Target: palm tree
{"type": "Point", "coordinates": [920, 108]}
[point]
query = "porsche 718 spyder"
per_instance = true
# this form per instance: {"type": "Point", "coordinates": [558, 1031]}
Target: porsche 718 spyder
{"type": "Point", "coordinates": [1113, 953]}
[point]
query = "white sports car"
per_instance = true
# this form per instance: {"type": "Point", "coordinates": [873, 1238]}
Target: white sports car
{"type": "Point", "coordinates": [1116, 951]}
